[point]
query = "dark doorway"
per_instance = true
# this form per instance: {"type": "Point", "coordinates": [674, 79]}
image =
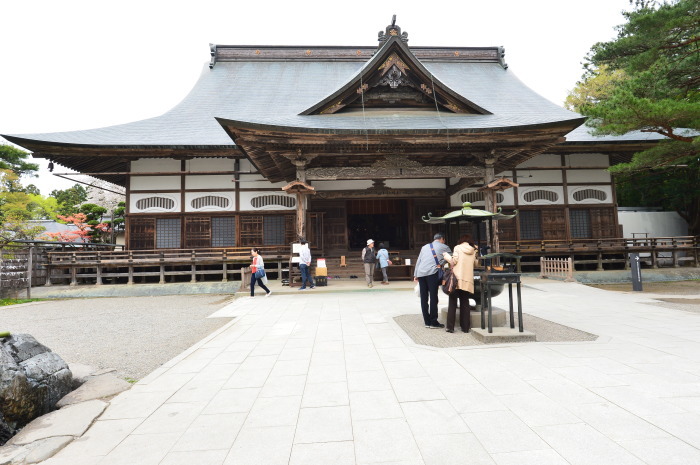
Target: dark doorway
{"type": "Point", "coordinates": [384, 220]}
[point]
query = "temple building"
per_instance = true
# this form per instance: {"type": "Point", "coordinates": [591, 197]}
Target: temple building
{"type": "Point", "coordinates": [342, 144]}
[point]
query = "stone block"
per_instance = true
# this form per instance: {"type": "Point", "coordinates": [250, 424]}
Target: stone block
{"type": "Point", "coordinates": [498, 317]}
{"type": "Point", "coordinates": [73, 420]}
{"type": "Point", "coordinates": [502, 335]}
{"type": "Point", "coordinates": [96, 387]}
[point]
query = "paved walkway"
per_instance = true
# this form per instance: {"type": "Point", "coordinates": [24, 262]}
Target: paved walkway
{"type": "Point", "coordinates": [329, 378]}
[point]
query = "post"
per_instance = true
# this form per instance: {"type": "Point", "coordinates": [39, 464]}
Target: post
{"type": "Point", "coordinates": [98, 270]}
{"type": "Point", "coordinates": [636, 272]}
{"type": "Point", "coordinates": [73, 270]}
{"type": "Point", "coordinates": [162, 269]}
{"type": "Point", "coordinates": [224, 279]}
{"type": "Point", "coordinates": [194, 267]}
{"type": "Point", "coordinates": [30, 272]}
{"type": "Point", "coordinates": [570, 271]}
{"type": "Point", "coordinates": [131, 268]}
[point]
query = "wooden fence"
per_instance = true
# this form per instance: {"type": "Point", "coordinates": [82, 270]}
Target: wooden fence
{"type": "Point", "coordinates": [557, 268]}
{"type": "Point", "coordinates": [656, 251]}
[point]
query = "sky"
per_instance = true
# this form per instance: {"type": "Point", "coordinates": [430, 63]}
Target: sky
{"type": "Point", "coordinates": [77, 64]}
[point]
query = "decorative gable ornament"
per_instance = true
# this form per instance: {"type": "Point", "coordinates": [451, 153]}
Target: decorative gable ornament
{"type": "Point", "coordinates": [394, 79]}
{"type": "Point", "coordinates": [392, 30]}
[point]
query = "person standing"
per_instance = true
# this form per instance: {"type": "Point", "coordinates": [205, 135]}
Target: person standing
{"type": "Point", "coordinates": [462, 262]}
{"type": "Point", "coordinates": [369, 258]}
{"type": "Point", "coordinates": [430, 261]}
{"type": "Point", "coordinates": [305, 266]}
{"type": "Point", "coordinates": [383, 257]}
{"type": "Point", "coordinates": [257, 264]}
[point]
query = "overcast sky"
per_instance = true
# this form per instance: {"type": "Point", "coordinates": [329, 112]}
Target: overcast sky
{"type": "Point", "coordinates": [70, 65]}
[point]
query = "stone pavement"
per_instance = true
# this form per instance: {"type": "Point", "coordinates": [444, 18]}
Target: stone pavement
{"type": "Point", "coordinates": [330, 378]}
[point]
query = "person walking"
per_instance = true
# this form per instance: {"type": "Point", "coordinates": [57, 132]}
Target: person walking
{"type": "Point", "coordinates": [257, 264]}
{"type": "Point", "coordinates": [384, 262]}
{"type": "Point", "coordinates": [462, 262]}
{"type": "Point", "coordinates": [369, 259]}
{"type": "Point", "coordinates": [430, 261]}
{"type": "Point", "coordinates": [305, 266]}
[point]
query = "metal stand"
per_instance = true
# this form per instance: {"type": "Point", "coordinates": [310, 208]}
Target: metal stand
{"type": "Point", "coordinates": [489, 279]}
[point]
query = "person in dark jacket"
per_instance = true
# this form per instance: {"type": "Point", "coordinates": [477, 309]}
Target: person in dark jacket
{"type": "Point", "coordinates": [369, 258]}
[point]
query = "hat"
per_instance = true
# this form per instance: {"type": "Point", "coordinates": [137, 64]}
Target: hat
{"type": "Point", "coordinates": [370, 241]}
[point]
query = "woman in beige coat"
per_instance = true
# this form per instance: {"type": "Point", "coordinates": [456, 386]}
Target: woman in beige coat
{"type": "Point", "coordinates": [462, 263]}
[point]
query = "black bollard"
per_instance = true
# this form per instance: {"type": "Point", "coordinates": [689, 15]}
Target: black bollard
{"type": "Point", "coordinates": [636, 272]}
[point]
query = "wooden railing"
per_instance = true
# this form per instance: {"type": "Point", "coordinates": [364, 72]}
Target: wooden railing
{"type": "Point", "coordinates": [672, 249]}
{"type": "Point", "coordinates": [95, 266]}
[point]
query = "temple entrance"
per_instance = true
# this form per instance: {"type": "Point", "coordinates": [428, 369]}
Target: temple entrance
{"type": "Point", "coordinates": [384, 220]}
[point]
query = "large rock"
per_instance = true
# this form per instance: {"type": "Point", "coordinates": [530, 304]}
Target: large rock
{"type": "Point", "coordinates": [32, 380]}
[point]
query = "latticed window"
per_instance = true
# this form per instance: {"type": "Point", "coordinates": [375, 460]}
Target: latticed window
{"type": "Point", "coordinates": [541, 194]}
{"type": "Point", "coordinates": [168, 233]}
{"type": "Point", "coordinates": [210, 201]}
{"type": "Point", "coordinates": [530, 224]}
{"type": "Point", "coordinates": [267, 200]}
{"type": "Point", "coordinates": [273, 230]}
{"type": "Point", "coordinates": [580, 223]}
{"type": "Point", "coordinates": [585, 194]}
{"type": "Point", "coordinates": [473, 197]}
{"type": "Point", "coordinates": [142, 233]}
{"type": "Point", "coordinates": [223, 232]}
{"type": "Point", "coordinates": [162, 203]}
{"type": "Point", "coordinates": [197, 232]}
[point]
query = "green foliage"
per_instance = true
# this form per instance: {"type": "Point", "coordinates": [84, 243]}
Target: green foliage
{"type": "Point", "coordinates": [69, 200]}
{"type": "Point", "coordinates": [16, 227]}
{"type": "Point", "coordinates": [5, 302]}
{"type": "Point", "coordinates": [14, 159]}
{"type": "Point", "coordinates": [649, 75]}
{"type": "Point", "coordinates": [669, 188]}
{"type": "Point", "coordinates": [648, 79]}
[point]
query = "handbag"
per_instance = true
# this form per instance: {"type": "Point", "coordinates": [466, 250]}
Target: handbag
{"type": "Point", "coordinates": [260, 273]}
{"type": "Point", "coordinates": [450, 283]}
{"type": "Point", "coordinates": [441, 271]}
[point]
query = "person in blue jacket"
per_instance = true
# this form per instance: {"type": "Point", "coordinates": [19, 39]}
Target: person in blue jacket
{"type": "Point", "coordinates": [384, 262]}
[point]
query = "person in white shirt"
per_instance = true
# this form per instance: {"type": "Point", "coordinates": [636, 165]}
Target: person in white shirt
{"type": "Point", "coordinates": [304, 265]}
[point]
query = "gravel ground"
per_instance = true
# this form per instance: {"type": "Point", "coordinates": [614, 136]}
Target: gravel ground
{"type": "Point", "coordinates": [134, 335]}
{"type": "Point", "coordinates": [545, 330]}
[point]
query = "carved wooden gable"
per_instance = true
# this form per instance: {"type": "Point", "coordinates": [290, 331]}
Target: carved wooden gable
{"type": "Point", "coordinates": [394, 79]}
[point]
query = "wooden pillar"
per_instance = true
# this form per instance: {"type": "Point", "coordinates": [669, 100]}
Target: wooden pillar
{"type": "Point", "coordinates": [301, 215]}
{"type": "Point", "coordinates": [490, 203]}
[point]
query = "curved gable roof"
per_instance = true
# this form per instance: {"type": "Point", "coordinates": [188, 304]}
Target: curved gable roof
{"type": "Point", "coordinates": [394, 65]}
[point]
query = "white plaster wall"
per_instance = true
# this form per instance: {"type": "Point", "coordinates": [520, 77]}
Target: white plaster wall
{"type": "Point", "coordinates": [586, 159]}
{"type": "Point", "coordinates": [155, 165]}
{"type": "Point", "coordinates": [606, 189]}
{"type": "Point", "coordinates": [587, 176]}
{"type": "Point", "coordinates": [539, 177]}
{"type": "Point", "coordinates": [246, 197]}
{"type": "Point", "coordinates": [216, 181]}
{"type": "Point", "coordinates": [541, 161]}
{"type": "Point", "coordinates": [456, 199]}
{"type": "Point", "coordinates": [140, 183]}
{"type": "Point", "coordinates": [133, 198]}
{"type": "Point", "coordinates": [341, 185]}
{"type": "Point", "coordinates": [210, 164]}
{"type": "Point", "coordinates": [190, 196]}
{"type": "Point", "coordinates": [251, 182]}
{"type": "Point", "coordinates": [246, 165]}
{"type": "Point", "coordinates": [558, 189]}
{"type": "Point", "coordinates": [656, 224]}
{"type": "Point", "coordinates": [415, 183]}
